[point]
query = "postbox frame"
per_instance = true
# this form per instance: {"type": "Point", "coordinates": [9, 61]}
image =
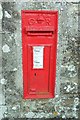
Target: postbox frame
{"type": "Point", "coordinates": [24, 55]}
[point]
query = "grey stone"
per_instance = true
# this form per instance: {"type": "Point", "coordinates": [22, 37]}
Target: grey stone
{"type": "Point", "coordinates": [7, 14]}
{"type": "Point", "coordinates": [9, 25]}
{"type": "Point", "coordinates": [1, 13]}
{"type": "Point", "coordinates": [66, 102]}
{"type": "Point", "coordinates": [2, 110]}
{"type": "Point", "coordinates": [6, 48]}
{"type": "Point", "coordinates": [29, 115]}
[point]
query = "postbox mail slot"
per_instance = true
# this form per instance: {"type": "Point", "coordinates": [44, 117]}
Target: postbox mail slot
{"type": "Point", "coordinates": [40, 33]}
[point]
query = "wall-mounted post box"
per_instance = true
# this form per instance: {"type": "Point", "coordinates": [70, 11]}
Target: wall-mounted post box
{"type": "Point", "coordinates": [39, 45]}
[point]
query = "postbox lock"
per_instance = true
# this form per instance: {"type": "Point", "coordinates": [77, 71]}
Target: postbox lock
{"type": "Point", "coordinates": [34, 74]}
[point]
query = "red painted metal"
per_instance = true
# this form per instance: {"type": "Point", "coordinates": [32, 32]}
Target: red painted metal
{"type": "Point", "coordinates": [39, 29]}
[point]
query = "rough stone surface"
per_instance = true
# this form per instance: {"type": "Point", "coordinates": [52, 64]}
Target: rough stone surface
{"type": "Point", "coordinates": [66, 102]}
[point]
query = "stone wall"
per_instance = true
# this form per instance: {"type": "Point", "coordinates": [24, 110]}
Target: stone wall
{"type": "Point", "coordinates": [65, 103]}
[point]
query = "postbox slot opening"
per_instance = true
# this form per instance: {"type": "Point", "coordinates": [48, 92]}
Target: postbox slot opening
{"type": "Point", "coordinates": [40, 33]}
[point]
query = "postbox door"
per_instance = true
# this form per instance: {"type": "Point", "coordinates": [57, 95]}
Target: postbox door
{"type": "Point", "coordinates": [38, 69]}
{"type": "Point", "coordinates": [39, 45]}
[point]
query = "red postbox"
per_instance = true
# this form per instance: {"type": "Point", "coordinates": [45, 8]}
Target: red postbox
{"type": "Point", "coordinates": [39, 45]}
